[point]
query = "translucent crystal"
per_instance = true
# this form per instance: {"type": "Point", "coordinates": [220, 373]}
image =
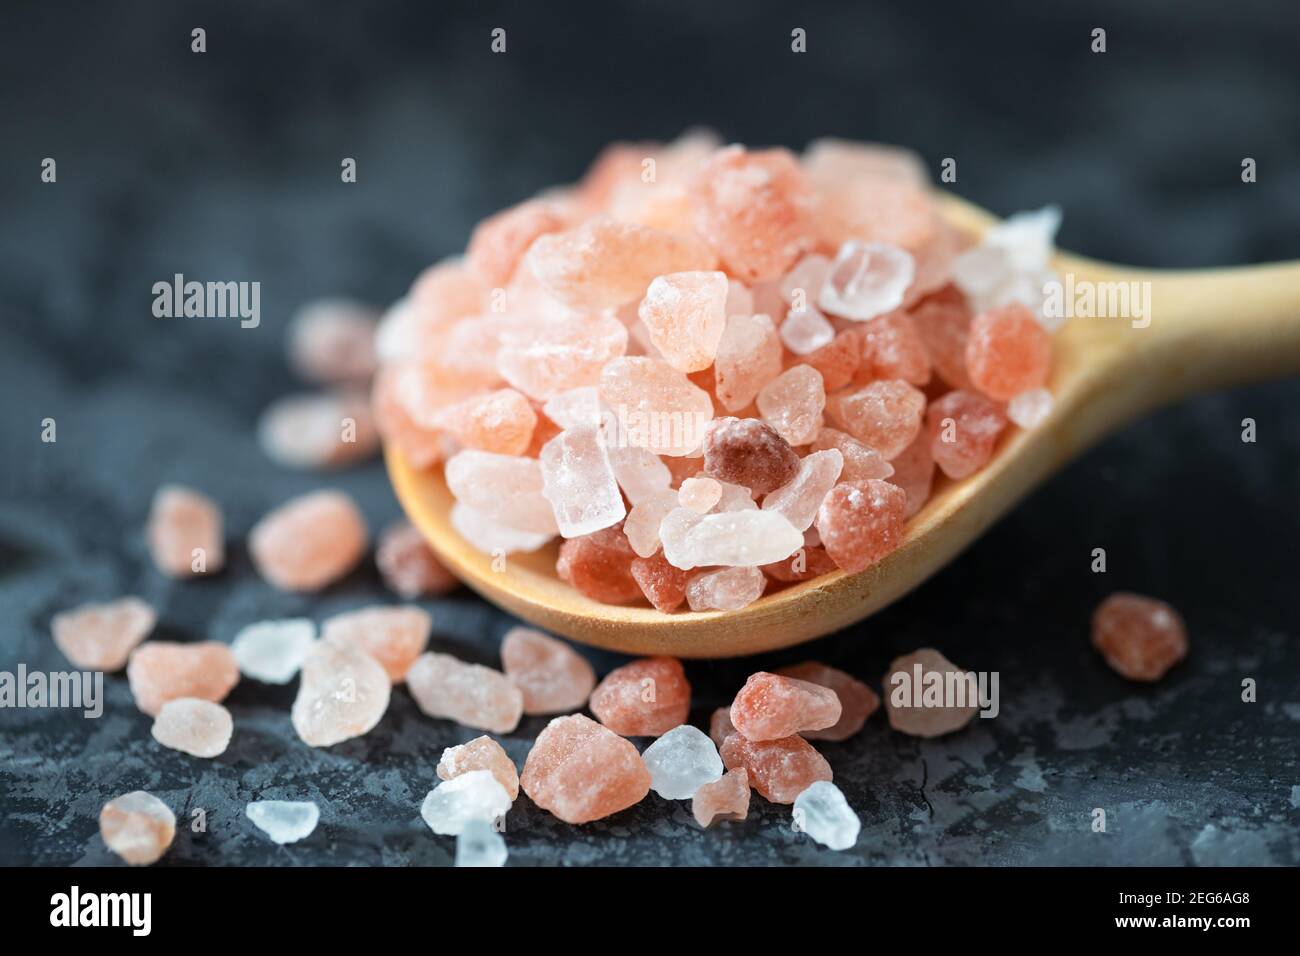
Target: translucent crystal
{"type": "Point", "coordinates": [803, 284]}
{"type": "Point", "coordinates": [685, 313]}
{"type": "Point", "coordinates": [892, 347]}
{"type": "Point", "coordinates": [884, 415]}
{"type": "Point", "coordinates": [574, 407]}
{"type": "Point", "coordinates": [663, 585]}
{"type": "Point", "coordinates": [806, 330]}
{"type": "Point", "coordinates": [408, 565]}
{"type": "Point", "coordinates": [798, 500]}
{"type": "Point", "coordinates": [500, 241]}
{"type": "Point", "coordinates": [740, 539]}
{"type": "Point", "coordinates": [333, 341]}
{"type": "Point", "coordinates": [476, 795]}
{"type": "Point", "coordinates": [580, 771]}
{"type": "Point", "coordinates": [318, 430]}
{"type": "Point", "coordinates": [643, 521]}
{"type": "Point", "coordinates": [727, 590]}
{"type": "Point", "coordinates": [857, 700]}
{"type": "Point", "coordinates": [309, 542]}
{"type": "Point", "coordinates": [343, 694]}
{"type": "Point", "coordinates": [273, 651]}
{"type": "Point", "coordinates": [284, 821]}
{"type": "Point", "coordinates": [185, 533]}
{"type": "Point", "coordinates": [725, 799]}
{"type": "Point", "coordinates": [470, 694]}
{"type": "Point", "coordinates": [578, 481]}
{"type": "Point", "coordinates": [100, 637]}
{"type": "Point", "coordinates": [822, 812]}
{"type": "Point", "coordinates": [159, 671]}
{"type": "Point", "coordinates": [656, 406]}
{"type": "Point", "coordinates": [749, 453]}
{"type": "Point", "coordinates": [600, 566]}
{"type": "Point", "coordinates": [138, 827]}
{"type": "Point", "coordinates": [501, 421]}
{"type": "Point", "coordinates": [963, 428]}
{"type": "Point", "coordinates": [553, 677]}
{"type": "Point", "coordinates": [1030, 409]}
{"type": "Point", "coordinates": [792, 403]}
{"type": "Point", "coordinates": [489, 536]}
{"type": "Point", "coordinates": [479, 844]}
{"type": "Point", "coordinates": [866, 279]}
{"type": "Point", "coordinates": [481, 753]}
{"type": "Point", "coordinates": [779, 770]}
{"type": "Point", "coordinates": [838, 360]}
{"type": "Point", "coordinates": [394, 636]}
{"type": "Point", "coordinates": [542, 360]}
{"type": "Point", "coordinates": [749, 356]}
{"type": "Point", "coordinates": [505, 489]}
{"type": "Point", "coordinates": [646, 698]}
{"type": "Point", "coordinates": [681, 761]}
{"type": "Point", "coordinates": [1140, 637]}
{"type": "Point", "coordinates": [196, 727]}
{"type": "Point", "coordinates": [771, 706]}
{"type": "Point", "coordinates": [909, 709]}
{"type": "Point", "coordinates": [914, 473]}
{"type": "Point", "coordinates": [1007, 352]}
{"type": "Point", "coordinates": [640, 472]}
{"type": "Point", "coordinates": [861, 521]}
{"type": "Point", "coordinates": [858, 461]}
{"type": "Point", "coordinates": [699, 494]}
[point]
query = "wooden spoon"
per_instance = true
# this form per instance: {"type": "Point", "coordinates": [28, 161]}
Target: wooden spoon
{"type": "Point", "coordinates": [1208, 329]}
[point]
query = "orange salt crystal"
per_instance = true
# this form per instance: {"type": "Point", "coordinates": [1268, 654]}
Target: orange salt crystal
{"type": "Point", "coordinates": [685, 313]}
{"type": "Point", "coordinates": [1140, 637]}
{"type": "Point", "coordinates": [423, 447]}
{"type": "Point", "coordinates": [309, 542]}
{"type": "Point", "coordinates": [914, 473]}
{"type": "Point", "coordinates": [1007, 352]}
{"type": "Point", "coordinates": [600, 566]}
{"type": "Point", "coordinates": [963, 428]}
{"type": "Point", "coordinates": [838, 360]}
{"type": "Point", "coordinates": [481, 753]}
{"type": "Point", "coordinates": [640, 389]}
{"type": "Point", "coordinates": [544, 360]}
{"type": "Point", "coordinates": [500, 421]}
{"type": "Point", "coordinates": [749, 453]}
{"type": "Point", "coordinates": [553, 677]}
{"type": "Point", "coordinates": [663, 585]}
{"type": "Point", "coordinates": [779, 770]}
{"type": "Point", "coordinates": [770, 707]}
{"type": "Point", "coordinates": [877, 210]}
{"type": "Point", "coordinates": [185, 533]}
{"type": "Point", "coordinates": [332, 341]}
{"type": "Point", "coordinates": [580, 771]}
{"type": "Point", "coordinates": [100, 637]}
{"type": "Point", "coordinates": [470, 694]}
{"type": "Point", "coordinates": [646, 698]}
{"type": "Point", "coordinates": [861, 521]}
{"type": "Point", "coordinates": [912, 711]}
{"type": "Point", "coordinates": [857, 700]}
{"type": "Point", "coordinates": [722, 800]}
{"type": "Point", "coordinates": [343, 693]}
{"type": "Point", "coordinates": [446, 291]}
{"type": "Point", "coordinates": [138, 827]}
{"type": "Point", "coordinates": [943, 322]}
{"type": "Point", "coordinates": [408, 565]}
{"type": "Point", "coordinates": [792, 403]}
{"type": "Point", "coordinates": [892, 348]}
{"type": "Point", "coordinates": [160, 671]}
{"type": "Point", "coordinates": [393, 636]}
{"type": "Point", "coordinates": [860, 462]}
{"type": "Point", "coordinates": [500, 241]}
{"type": "Point", "coordinates": [884, 415]}
{"type": "Point", "coordinates": [749, 356]}
{"type": "Point", "coordinates": [804, 565]}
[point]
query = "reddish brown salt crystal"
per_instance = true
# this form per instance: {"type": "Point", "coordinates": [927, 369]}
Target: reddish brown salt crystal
{"type": "Point", "coordinates": [309, 542]}
{"type": "Point", "coordinates": [720, 725]}
{"type": "Point", "coordinates": [580, 771]}
{"type": "Point", "coordinates": [722, 800]}
{"type": "Point", "coordinates": [914, 473]}
{"type": "Point", "coordinates": [779, 770]}
{"type": "Point", "coordinates": [792, 403]}
{"type": "Point", "coordinates": [332, 341]}
{"type": "Point", "coordinates": [646, 698]}
{"type": "Point", "coordinates": [755, 209]}
{"type": "Point", "coordinates": [408, 565]}
{"type": "Point", "coordinates": [138, 827]}
{"type": "Point", "coordinates": [500, 241]}
{"type": "Point", "coordinates": [861, 521]}
{"type": "Point", "coordinates": [470, 694]}
{"type": "Point", "coordinates": [838, 360]}
{"type": "Point", "coordinates": [884, 415]}
{"type": "Point", "coordinates": [185, 533]}
{"type": "Point", "coordinates": [500, 421]}
{"type": "Point", "coordinates": [943, 323]}
{"type": "Point", "coordinates": [422, 447]}
{"type": "Point", "coordinates": [750, 453]}
{"type": "Point", "coordinates": [892, 348]}
{"type": "Point", "coordinates": [553, 677]}
{"type": "Point", "coordinates": [912, 711]}
{"type": "Point", "coordinates": [1007, 352]}
{"type": "Point", "coordinates": [1140, 637]}
{"type": "Point", "coordinates": [100, 637]}
{"type": "Point", "coordinates": [160, 671]}
{"type": "Point", "coordinates": [963, 428]}
{"type": "Point", "coordinates": [804, 565]}
{"type": "Point", "coordinates": [393, 636]}
{"type": "Point", "coordinates": [481, 753]}
{"type": "Point", "coordinates": [663, 585]}
{"type": "Point", "coordinates": [770, 707]}
{"type": "Point", "coordinates": [749, 356]}
{"type": "Point", "coordinates": [857, 700]}
{"type": "Point", "coordinates": [600, 566]}
{"type": "Point", "coordinates": [860, 462]}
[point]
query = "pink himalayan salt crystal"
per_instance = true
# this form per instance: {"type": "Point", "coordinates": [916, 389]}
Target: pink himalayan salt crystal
{"type": "Point", "coordinates": [481, 753]}
{"type": "Point", "coordinates": [423, 447]}
{"type": "Point", "coordinates": [857, 700]}
{"type": "Point", "coordinates": [838, 360]}
{"type": "Point", "coordinates": [866, 280]}
{"type": "Point", "coordinates": [722, 800]}
{"type": "Point", "coordinates": [934, 262]}
{"type": "Point", "coordinates": [1140, 637]}
{"type": "Point", "coordinates": [463, 353]}
{"type": "Point", "coordinates": [553, 677]}
{"type": "Point", "coordinates": [309, 542]}
{"type": "Point", "coordinates": [830, 162]}
{"type": "Point", "coordinates": [736, 539]}
{"type": "Point", "coordinates": [393, 636]}
{"type": "Point", "coordinates": [408, 565]}
{"type": "Point", "coordinates": [1007, 352]}
{"type": "Point", "coordinates": [943, 322]}
{"type": "Point", "coordinates": [448, 290]}
{"type": "Point", "coordinates": [770, 707]}
{"type": "Point", "coordinates": [160, 671]}
{"type": "Point", "coordinates": [861, 521]}
{"type": "Point", "coordinates": [500, 241]}
{"type": "Point", "coordinates": [798, 500]}
{"type": "Point", "coordinates": [643, 521]}
{"type": "Point", "coordinates": [657, 406]}
{"type": "Point", "coordinates": [318, 431]}
{"type": "Point", "coordinates": [755, 209]}
{"type": "Point", "coordinates": [963, 429]}
{"type": "Point", "coordinates": [914, 473]}
{"type": "Point", "coordinates": [332, 341]}
{"type": "Point", "coordinates": [470, 694]}
{"type": "Point", "coordinates": [1030, 409]}
{"type": "Point", "coordinates": [604, 263]}
{"type": "Point", "coordinates": [749, 356]}
{"type": "Point", "coordinates": [580, 771]}
{"type": "Point", "coordinates": [792, 403]}
{"type": "Point", "coordinates": [199, 728]}
{"type": "Point", "coordinates": [100, 637]}
{"type": "Point", "coordinates": [878, 210]}
{"type": "Point", "coordinates": [810, 561]}
{"type": "Point", "coordinates": [740, 301]}
{"type": "Point", "coordinates": [578, 480]}
{"type": "Point", "coordinates": [501, 421]}
{"type": "Point", "coordinates": [542, 360]}
{"type": "Point", "coordinates": [639, 472]}
{"type": "Point", "coordinates": [727, 590]}
{"type": "Point", "coordinates": [489, 536]}
{"type": "Point", "coordinates": [600, 566]}
{"type": "Point", "coordinates": [779, 770]}
{"type": "Point", "coordinates": [646, 698]}
{"type": "Point", "coordinates": [343, 693]}
{"type": "Point", "coordinates": [699, 494]}
{"type": "Point", "coordinates": [749, 453]}
{"type": "Point", "coordinates": [720, 725]}
{"type": "Point", "coordinates": [860, 462]}
{"type": "Point", "coordinates": [674, 531]}
{"type": "Point", "coordinates": [506, 489]}
{"type": "Point", "coordinates": [801, 285]}
{"type": "Point", "coordinates": [892, 348]}
{"type": "Point", "coordinates": [911, 710]}
{"type": "Point", "coordinates": [574, 406]}
{"type": "Point", "coordinates": [806, 330]}
{"type": "Point", "coordinates": [138, 827]}
{"type": "Point", "coordinates": [884, 415]}
{"type": "Point", "coordinates": [663, 585]}
{"type": "Point", "coordinates": [185, 533]}
{"type": "Point", "coordinates": [685, 313]}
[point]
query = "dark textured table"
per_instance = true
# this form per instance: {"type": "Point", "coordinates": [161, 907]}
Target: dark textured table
{"type": "Point", "coordinates": [224, 166]}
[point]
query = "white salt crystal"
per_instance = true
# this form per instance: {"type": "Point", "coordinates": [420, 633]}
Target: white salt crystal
{"type": "Point", "coordinates": [866, 279]}
{"type": "Point", "coordinates": [1027, 238]}
{"type": "Point", "coordinates": [643, 521]}
{"type": "Point", "coordinates": [479, 844]}
{"type": "Point", "coordinates": [284, 821]}
{"type": "Point", "coordinates": [799, 498]}
{"type": "Point", "coordinates": [1029, 409]}
{"type": "Point", "coordinates": [639, 471]}
{"type": "Point", "coordinates": [576, 407]}
{"type": "Point", "coordinates": [476, 795]}
{"type": "Point", "coordinates": [741, 539]}
{"type": "Point", "coordinates": [822, 812]}
{"type": "Point", "coordinates": [673, 530]}
{"type": "Point", "coordinates": [727, 590]}
{"type": "Point", "coordinates": [699, 494]}
{"type": "Point", "coordinates": [980, 270]}
{"type": "Point", "coordinates": [682, 761]}
{"type": "Point", "coordinates": [273, 651]}
{"type": "Point", "coordinates": [489, 537]}
{"type": "Point", "coordinates": [804, 332]}
{"type": "Point", "coordinates": [578, 481]}
{"type": "Point", "coordinates": [505, 489]}
{"type": "Point", "coordinates": [740, 301]}
{"type": "Point", "coordinates": [804, 282]}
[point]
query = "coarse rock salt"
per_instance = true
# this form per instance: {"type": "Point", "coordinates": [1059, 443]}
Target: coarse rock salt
{"type": "Point", "coordinates": [393, 636]}
{"type": "Point", "coordinates": [500, 241]}
{"type": "Point", "coordinates": [640, 473]}
{"type": "Point", "coordinates": [159, 671]}
{"type": "Point", "coordinates": [771, 706]}
{"type": "Point", "coordinates": [408, 565]}
{"type": "Point", "coordinates": [284, 821]}
{"type": "Point", "coordinates": [792, 403]}
{"type": "Point", "coordinates": [749, 356]}
{"type": "Point", "coordinates": [798, 500]}
{"type": "Point", "coordinates": [913, 471]}
{"type": "Point", "coordinates": [1030, 409]}
{"type": "Point", "coordinates": [699, 494]}
{"type": "Point", "coordinates": [643, 521]}
{"type": "Point", "coordinates": [749, 453]}
{"type": "Point", "coordinates": [476, 795]}
{"type": "Point", "coordinates": [1007, 352]}
{"type": "Point", "coordinates": [885, 415]}
{"type": "Point", "coordinates": [806, 330]}
{"type": "Point", "coordinates": [839, 360]}
{"type": "Point", "coordinates": [505, 489]}
{"type": "Point", "coordinates": [273, 651]}
{"type": "Point", "coordinates": [727, 590]}
{"type": "Point", "coordinates": [481, 753]}
{"type": "Point", "coordinates": [138, 827]}
{"type": "Point", "coordinates": [963, 428]}
{"type": "Point", "coordinates": [479, 844]}
{"type": "Point", "coordinates": [581, 771]}
{"type": "Point", "coordinates": [892, 347]}
{"type": "Point", "coordinates": [779, 770]}
{"type": "Point", "coordinates": [501, 421]}
{"type": "Point", "coordinates": [866, 279]}
{"type": "Point", "coordinates": [646, 698]}
{"type": "Point", "coordinates": [315, 431]}
{"type": "Point", "coordinates": [599, 565]}
{"type": "Point", "coordinates": [332, 341]}
{"type": "Point", "coordinates": [490, 537]}
{"type": "Point", "coordinates": [199, 728]}
{"type": "Point", "coordinates": [309, 542]}
{"type": "Point", "coordinates": [552, 676]}
{"type": "Point", "coordinates": [578, 480]}
{"type": "Point", "coordinates": [857, 700]}
{"type": "Point", "coordinates": [822, 812]}
{"type": "Point", "coordinates": [720, 726]}
{"type": "Point", "coordinates": [657, 406]}
{"type": "Point", "coordinates": [681, 761]}
{"type": "Point", "coordinates": [915, 696]}
{"type": "Point", "coordinates": [810, 561]}
{"type": "Point", "coordinates": [470, 694]}
{"type": "Point", "coordinates": [343, 694]}
{"type": "Point", "coordinates": [100, 637]}
{"type": "Point", "coordinates": [861, 521]}
{"type": "Point", "coordinates": [185, 533]}
{"type": "Point", "coordinates": [738, 539]}
{"type": "Point", "coordinates": [1140, 637]}
{"type": "Point", "coordinates": [574, 407]}
{"type": "Point", "coordinates": [543, 360]}
{"type": "Point", "coordinates": [663, 585]}
{"type": "Point", "coordinates": [685, 314]}
{"type": "Point", "coordinates": [725, 799]}
{"type": "Point", "coordinates": [858, 462]}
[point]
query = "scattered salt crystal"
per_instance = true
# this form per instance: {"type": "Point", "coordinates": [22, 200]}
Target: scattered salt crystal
{"type": "Point", "coordinates": [749, 356]}
{"type": "Point", "coordinates": [470, 694]}
{"type": "Point", "coordinates": [866, 280]}
{"type": "Point", "coordinates": [553, 677]}
{"type": "Point", "coordinates": [681, 761]}
{"type": "Point", "coordinates": [284, 821]}
{"type": "Point", "coordinates": [685, 313]}
{"type": "Point", "coordinates": [318, 431]}
{"type": "Point", "coordinates": [309, 542]}
{"type": "Point", "coordinates": [393, 636]}
{"type": "Point", "coordinates": [1030, 409]}
{"type": "Point", "coordinates": [138, 827]}
{"type": "Point", "coordinates": [646, 698]}
{"type": "Point", "coordinates": [479, 844]}
{"type": "Point", "coordinates": [779, 770]}
{"type": "Point", "coordinates": [822, 812]}
{"type": "Point", "coordinates": [332, 341]}
{"type": "Point", "coordinates": [185, 533]}
{"type": "Point", "coordinates": [580, 771]}
{"type": "Point", "coordinates": [490, 537]}
{"type": "Point", "coordinates": [725, 799]}
{"type": "Point", "coordinates": [481, 753]}
{"type": "Point", "coordinates": [408, 565]}
{"type": "Point", "coordinates": [1140, 637]}
{"type": "Point", "coordinates": [160, 671]}
{"type": "Point", "coordinates": [699, 494]}
{"type": "Point", "coordinates": [504, 489]}
{"type": "Point", "coordinates": [727, 590]}
{"type": "Point", "coordinates": [196, 727]}
{"type": "Point", "coordinates": [771, 706]}
{"type": "Point", "coordinates": [908, 705]}
{"type": "Point", "coordinates": [798, 500]}
{"type": "Point", "coordinates": [857, 700]}
{"type": "Point", "coordinates": [806, 330]}
{"type": "Point", "coordinates": [273, 651]}
{"type": "Point", "coordinates": [476, 795]}
{"type": "Point", "coordinates": [578, 481]}
{"type": "Point", "coordinates": [792, 403]}
{"type": "Point", "coordinates": [100, 637]}
{"type": "Point", "coordinates": [343, 694]}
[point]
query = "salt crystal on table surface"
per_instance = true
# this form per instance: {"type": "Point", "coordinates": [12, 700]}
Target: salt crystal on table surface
{"type": "Point", "coordinates": [273, 651]}
{"type": "Point", "coordinates": [600, 566]}
{"type": "Point", "coordinates": [578, 481]}
{"type": "Point", "coordinates": [489, 536]}
{"type": "Point", "coordinates": [343, 693]}
{"type": "Point", "coordinates": [858, 461]}
{"type": "Point", "coordinates": [861, 521]}
{"type": "Point", "coordinates": [779, 770]}
{"type": "Point", "coordinates": [1030, 409]}
{"type": "Point", "coordinates": [476, 795]}
{"type": "Point", "coordinates": [866, 279]}
{"type": "Point", "coordinates": [725, 799]}
{"type": "Point", "coordinates": [196, 727]}
{"type": "Point", "coordinates": [333, 341]}
{"type": "Point", "coordinates": [906, 702]}
{"type": "Point", "coordinates": [394, 636]}
{"type": "Point", "coordinates": [553, 677]}
{"type": "Point", "coordinates": [699, 494]}
{"type": "Point", "coordinates": [663, 585]}
{"type": "Point", "coordinates": [685, 313]}
{"type": "Point", "coordinates": [100, 637]}
{"type": "Point", "coordinates": [479, 844]}
{"type": "Point", "coordinates": [727, 590]}
{"type": "Point", "coordinates": [657, 406]}
{"type": "Point", "coordinates": [138, 827]}
{"type": "Point", "coordinates": [822, 812]}
{"type": "Point", "coordinates": [481, 753]}
{"type": "Point", "coordinates": [806, 330]}
{"type": "Point", "coordinates": [323, 430]}
{"type": "Point", "coordinates": [884, 415]}
{"type": "Point", "coordinates": [470, 694]}
{"type": "Point", "coordinates": [643, 521]}
{"type": "Point", "coordinates": [792, 403]}
{"type": "Point", "coordinates": [771, 706]}
{"type": "Point", "coordinates": [1140, 637]}
{"type": "Point", "coordinates": [505, 489]}
{"type": "Point", "coordinates": [546, 359]}
{"type": "Point", "coordinates": [580, 771]}
{"type": "Point", "coordinates": [640, 472]}
{"type": "Point", "coordinates": [749, 453]}
{"type": "Point", "coordinates": [963, 428]}
{"type": "Point", "coordinates": [857, 700]}
{"type": "Point", "coordinates": [309, 542]}
{"type": "Point", "coordinates": [574, 407]}
{"type": "Point", "coordinates": [681, 761]}
{"type": "Point", "coordinates": [184, 532]}
{"type": "Point", "coordinates": [749, 356]}
{"type": "Point", "coordinates": [646, 698]}
{"type": "Point", "coordinates": [160, 671]}
{"type": "Point", "coordinates": [408, 565]}
{"type": "Point", "coordinates": [741, 539]}
{"type": "Point", "coordinates": [798, 500]}
{"type": "Point", "coordinates": [284, 821]}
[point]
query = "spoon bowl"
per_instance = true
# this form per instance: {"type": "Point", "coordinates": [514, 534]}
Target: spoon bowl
{"type": "Point", "coordinates": [1205, 329]}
